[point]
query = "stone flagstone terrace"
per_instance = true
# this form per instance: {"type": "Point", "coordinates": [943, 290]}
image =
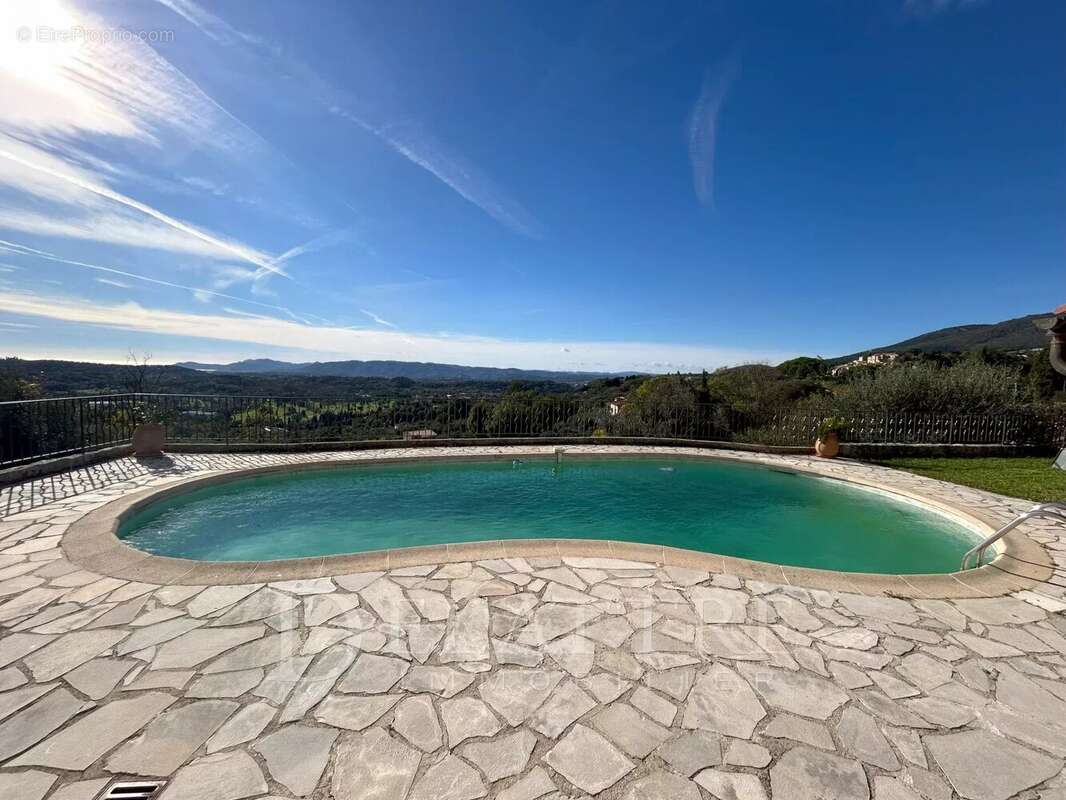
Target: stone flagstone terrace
{"type": "Point", "coordinates": [520, 678]}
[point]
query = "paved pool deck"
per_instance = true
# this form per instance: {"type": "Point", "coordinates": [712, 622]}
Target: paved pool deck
{"type": "Point", "coordinates": [522, 674]}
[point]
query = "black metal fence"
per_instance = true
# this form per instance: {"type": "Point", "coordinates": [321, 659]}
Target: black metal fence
{"type": "Point", "coordinates": [39, 429]}
{"type": "Point", "coordinates": [33, 430]}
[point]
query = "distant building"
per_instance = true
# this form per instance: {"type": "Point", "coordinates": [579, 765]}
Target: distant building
{"type": "Point", "coordinates": [423, 433]}
{"type": "Point", "coordinates": [615, 407]}
{"type": "Point", "coordinates": [871, 360]}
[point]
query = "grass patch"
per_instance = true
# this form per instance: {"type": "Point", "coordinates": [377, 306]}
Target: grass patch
{"type": "Point", "coordinates": [1031, 478]}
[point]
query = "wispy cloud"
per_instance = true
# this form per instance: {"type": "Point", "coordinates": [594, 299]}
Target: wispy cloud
{"type": "Point", "coordinates": [314, 245]}
{"type": "Point", "coordinates": [421, 148]}
{"type": "Point", "coordinates": [377, 319]}
{"type": "Point", "coordinates": [396, 129]}
{"type": "Point", "coordinates": [416, 282]}
{"type": "Point", "coordinates": [214, 26]}
{"type": "Point", "coordinates": [330, 341]}
{"type": "Point", "coordinates": [703, 125]}
{"type": "Point", "coordinates": [107, 226]}
{"type": "Point", "coordinates": [70, 102]}
{"type": "Point", "coordinates": [112, 282]}
{"type": "Point", "coordinates": [238, 313]}
{"type": "Point", "coordinates": [327, 239]}
{"type": "Point", "coordinates": [120, 87]}
{"type": "Point", "coordinates": [200, 293]}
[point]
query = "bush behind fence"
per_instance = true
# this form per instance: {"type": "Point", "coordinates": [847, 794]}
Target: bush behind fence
{"type": "Point", "coordinates": [39, 429]}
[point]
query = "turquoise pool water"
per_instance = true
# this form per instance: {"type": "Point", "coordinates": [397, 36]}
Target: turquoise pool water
{"type": "Point", "coordinates": [719, 507]}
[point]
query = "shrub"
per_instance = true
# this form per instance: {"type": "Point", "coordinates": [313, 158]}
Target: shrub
{"type": "Point", "coordinates": [804, 367]}
{"type": "Point", "coordinates": [658, 405]}
{"type": "Point", "coordinates": [757, 388]}
{"type": "Point", "coordinates": [968, 387]}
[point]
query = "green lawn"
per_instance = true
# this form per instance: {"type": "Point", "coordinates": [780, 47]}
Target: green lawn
{"type": "Point", "coordinates": [1031, 478]}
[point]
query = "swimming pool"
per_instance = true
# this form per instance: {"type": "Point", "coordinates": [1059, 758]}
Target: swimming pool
{"type": "Point", "coordinates": [721, 507]}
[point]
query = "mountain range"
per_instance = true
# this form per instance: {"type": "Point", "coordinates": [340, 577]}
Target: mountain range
{"type": "Point", "coordinates": [413, 370]}
{"type": "Point", "coordinates": [1020, 333]}
{"type": "Point", "coordinates": [1013, 334]}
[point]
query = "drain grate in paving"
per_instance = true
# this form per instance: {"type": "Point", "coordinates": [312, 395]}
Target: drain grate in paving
{"type": "Point", "coordinates": [132, 790]}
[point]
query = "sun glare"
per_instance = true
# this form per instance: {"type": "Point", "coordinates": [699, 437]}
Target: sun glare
{"type": "Point", "coordinates": [45, 37]}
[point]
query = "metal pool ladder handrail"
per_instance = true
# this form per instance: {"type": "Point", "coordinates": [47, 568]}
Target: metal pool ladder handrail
{"type": "Point", "coordinates": [1051, 510]}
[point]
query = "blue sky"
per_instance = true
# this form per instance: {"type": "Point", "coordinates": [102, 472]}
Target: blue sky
{"type": "Point", "coordinates": [605, 186]}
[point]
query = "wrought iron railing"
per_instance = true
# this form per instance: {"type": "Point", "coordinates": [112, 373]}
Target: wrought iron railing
{"type": "Point", "coordinates": [40, 429]}
{"type": "Point", "coordinates": [33, 430]}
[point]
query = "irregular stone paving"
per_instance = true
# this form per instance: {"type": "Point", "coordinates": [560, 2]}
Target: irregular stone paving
{"type": "Point", "coordinates": [518, 678]}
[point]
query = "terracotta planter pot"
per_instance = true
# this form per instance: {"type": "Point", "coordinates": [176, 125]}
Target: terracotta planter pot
{"type": "Point", "coordinates": [148, 439]}
{"type": "Point", "coordinates": [827, 446]}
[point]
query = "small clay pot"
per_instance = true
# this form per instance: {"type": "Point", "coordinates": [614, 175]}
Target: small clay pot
{"type": "Point", "coordinates": [148, 439]}
{"type": "Point", "coordinates": [828, 446]}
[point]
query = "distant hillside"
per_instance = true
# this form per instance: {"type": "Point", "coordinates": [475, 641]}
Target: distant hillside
{"type": "Point", "coordinates": [63, 378]}
{"type": "Point", "coordinates": [417, 371]}
{"type": "Point", "coordinates": [1011, 334]}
